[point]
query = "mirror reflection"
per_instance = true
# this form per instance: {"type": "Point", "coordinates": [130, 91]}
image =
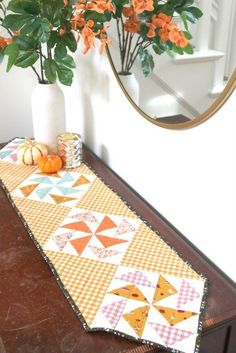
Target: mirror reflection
{"type": "Point", "coordinates": [185, 62]}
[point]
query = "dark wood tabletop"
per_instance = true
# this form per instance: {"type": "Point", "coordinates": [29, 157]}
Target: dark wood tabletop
{"type": "Point", "coordinates": [35, 317]}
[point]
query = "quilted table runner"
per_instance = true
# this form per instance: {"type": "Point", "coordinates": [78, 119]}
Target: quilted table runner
{"type": "Point", "coordinates": [117, 273]}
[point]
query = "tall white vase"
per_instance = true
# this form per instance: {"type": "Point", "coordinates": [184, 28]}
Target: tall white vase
{"type": "Point", "coordinates": [131, 85]}
{"type": "Point", "coordinates": [48, 113]}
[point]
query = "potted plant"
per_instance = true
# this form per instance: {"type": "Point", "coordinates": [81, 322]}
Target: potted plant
{"type": "Point", "coordinates": [42, 35]}
{"type": "Point", "coordinates": [148, 27]}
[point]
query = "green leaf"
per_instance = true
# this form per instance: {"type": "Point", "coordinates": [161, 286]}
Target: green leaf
{"type": "Point", "coordinates": [177, 50]}
{"type": "Point", "coordinates": [50, 68]}
{"type": "Point", "coordinates": [32, 26]}
{"type": "Point", "coordinates": [170, 52]}
{"type": "Point", "coordinates": [69, 40]}
{"type": "Point", "coordinates": [188, 49]}
{"type": "Point", "coordinates": [16, 22]}
{"type": "Point", "coordinates": [1, 55]}
{"type": "Point", "coordinates": [25, 42]}
{"type": "Point", "coordinates": [192, 14]}
{"type": "Point", "coordinates": [53, 39]}
{"type": "Point", "coordinates": [157, 49]}
{"type": "Point", "coordinates": [60, 51]}
{"type": "Point", "coordinates": [12, 51]}
{"type": "Point", "coordinates": [188, 35]}
{"type": "Point", "coordinates": [44, 30]}
{"type": "Point", "coordinates": [24, 6]}
{"type": "Point", "coordinates": [67, 61]}
{"type": "Point", "coordinates": [65, 75]}
{"type": "Point", "coordinates": [26, 59]}
{"type": "Point", "coordinates": [184, 19]}
{"type": "Point", "coordinates": [147, 62]}
{"type": "Point", "coordinates": [98, 17]}
{"type": "Point", "coordinates": [195, 11]}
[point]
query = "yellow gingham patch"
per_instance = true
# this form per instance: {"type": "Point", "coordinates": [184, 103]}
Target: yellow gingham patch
{"type": "Point", "coordinates": [102, 199]}
{"type": "Point", "coordinates": [41, 217]}
{"type": "Point", "coordinates": [86, 280]}
{"type": "Point", "coordinates": [149, 252]}
{"type": "Point", "coordinates": [12, 174]}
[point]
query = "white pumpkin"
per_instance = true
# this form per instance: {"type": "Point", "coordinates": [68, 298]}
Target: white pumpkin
{"type": "Point", "coordinates": [30, 151]}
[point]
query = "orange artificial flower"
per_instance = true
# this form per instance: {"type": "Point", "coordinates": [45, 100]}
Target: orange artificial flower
{"type": "Point", "coordinates": [16, 33]}
{"type": "Point", "coordinates": [88, 35]}
{"type": "Point", "coordinates": [62, 31]}
{"type": "Point", "coordinates": [164, 35]}
{"type": "Point", "coordinates": [104, 40]}
{"type": "Point", "coordinates": [167, 30]}
{"type": "Point", "coordinates": [160, 20]}
{"type": "Point", "coordinates": [151, 33]}
{"type": "Point", "coordinates": [183, 41]}
{"type": "Point", "coordinates": [142, 5]}
{"type": "Point", "coordinates": [4, 42]}
{"type": "Point", "coordinates": [101, 6]}
{"type": "Point", "coordinates": [164, 17]}
{"type": "Point", "coordinates": [132, 24]}
{"type": "Point", "coordinates": [78, 21]}
{"type": "Point", "coordinates": [128, 11]}
{"type": "Point", "coordinates": [173, 31]}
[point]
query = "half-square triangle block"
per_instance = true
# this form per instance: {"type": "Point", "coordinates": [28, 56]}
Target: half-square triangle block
{"type": "Point", "coordinates": [78, 226]}
{"type": "Point", "coordinates": [103, 253]}
{"type": "Point", "coordinates": [65, 179]}
{"type": "Point", "coordinates": [4, 154]}
{"type": "Point", "coordinates": [43, 179]}
{"type": "Point", "coordinates": [130, 292]}
{"type": "Point", "coordinates": [80, 244]}
{"type": "Point", "coordinates": [136, 277]}
{"type": "Point", "coordinates": [62, 239]}
{"type": "Point", "coordinates": [61, 199]}
{"type": "Point", "coordinates": [163, 290]}
{"type": "Point", "coordinates": [85, 216]}
{"type": "Point", "coordinates": [125, 227]}
{"type": "Point", "coordinates": [66, 191]}
{"type": "Point", "coordinates": [28, 189]}
{"type": "Point", "coordinates": [82, 180]}
{"type": "Point", "coordinates": [13, 156]}
{"type": "Point", "coordinates": [108, 241]}
{"type": "Point", "coordinates": [186, 294]}
{"type": "Point", "coordinates": [41, 193]}
{"type": "Point", "coordinates": [113, 312]}
{"type": "Point", "coordinates": [170, 335]}
{"type": "Point", "coordinates": [106, 224]}
{"type": "Point", "coordinates": [137, 319]}
{"type": "Point", "coordinates": [174, 316]}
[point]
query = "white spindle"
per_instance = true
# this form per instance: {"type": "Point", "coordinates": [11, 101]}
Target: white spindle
{"type": "Point", "coordinates": [203, 26]}
{"type": "Point", "coordinates": [221, 39]}
{"type": "Point", "coordinates": [231, 47]}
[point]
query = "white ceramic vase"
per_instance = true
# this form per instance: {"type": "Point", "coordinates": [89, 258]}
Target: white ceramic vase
{"type": "Point", "coordinates": [131, 85]}
{"type": "Point", "coordinates": [48, 113]}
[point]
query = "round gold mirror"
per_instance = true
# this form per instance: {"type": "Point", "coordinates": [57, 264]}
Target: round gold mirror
{"type": "Point", "coordinates": [182, 87]}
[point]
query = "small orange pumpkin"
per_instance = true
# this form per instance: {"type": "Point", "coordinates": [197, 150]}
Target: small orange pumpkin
{"type": "Point", "coordinates": [50, 163]}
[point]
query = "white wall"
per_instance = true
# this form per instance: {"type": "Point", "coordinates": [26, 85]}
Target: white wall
{"type": "Point", "coordinates": [188, 176]}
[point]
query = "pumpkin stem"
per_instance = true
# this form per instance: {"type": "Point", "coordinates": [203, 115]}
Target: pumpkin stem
{"type": "Point", "coordinates": [29, 141]}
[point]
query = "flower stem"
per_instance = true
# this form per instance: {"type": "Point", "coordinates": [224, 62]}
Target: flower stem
{"type": "Point", "coordinates": [41, 63]}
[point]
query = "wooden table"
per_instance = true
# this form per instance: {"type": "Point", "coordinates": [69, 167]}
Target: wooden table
{"type": "Point", "coordinates": [35, 317]}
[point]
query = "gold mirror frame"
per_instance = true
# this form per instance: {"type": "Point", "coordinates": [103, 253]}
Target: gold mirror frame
{"type": "Point", "coordinates": [219, 102]}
